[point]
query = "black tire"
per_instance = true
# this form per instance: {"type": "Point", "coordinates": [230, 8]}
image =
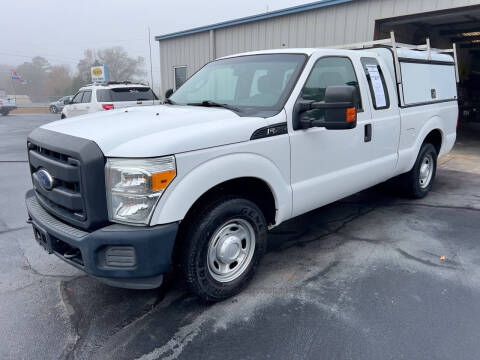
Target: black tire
{"type": "Point", "coordinates": [53, 109]}
{"type": "Point", "coordinates": [412, 183]}
{"type": "Point", "coordinates": [195, 244]}
{"type": "Point", "coordinates": [63, 116]}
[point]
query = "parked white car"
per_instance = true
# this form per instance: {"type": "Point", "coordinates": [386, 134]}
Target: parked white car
{"type": "Point", "coordinates": [248, 142]}
{"type": "Point", "coordinates": [108, 96]}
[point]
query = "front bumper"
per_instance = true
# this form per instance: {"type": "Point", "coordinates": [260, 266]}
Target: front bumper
{"type": "Point", "coordinates": [7, 108]}
{"type": "Point", "coordinates": [119, 255]}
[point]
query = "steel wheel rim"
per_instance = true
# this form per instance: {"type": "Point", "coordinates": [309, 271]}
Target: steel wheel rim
{"type": "Point", "coordinates": [230, 250]}
{"type": "Point", "coordinates": [426, 171]}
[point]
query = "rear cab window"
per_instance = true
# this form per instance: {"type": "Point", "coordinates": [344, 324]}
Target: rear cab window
{"type": "Point", "coordinates": [126, 94]}
{"type": "Point", "coordinates": [376, 83]}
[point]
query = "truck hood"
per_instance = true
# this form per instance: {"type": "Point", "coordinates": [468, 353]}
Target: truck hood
{"type": "Point", "coordinates": [159, 130]}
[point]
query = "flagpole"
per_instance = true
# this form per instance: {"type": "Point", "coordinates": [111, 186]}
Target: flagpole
{"type": "Point", "coordinates": [14, 89]}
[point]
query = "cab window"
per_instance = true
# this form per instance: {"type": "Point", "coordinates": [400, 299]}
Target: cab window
{"type": "Point", "coordinates": [376, 83]}
{"type": "Point", "coordinates": [330, 71]}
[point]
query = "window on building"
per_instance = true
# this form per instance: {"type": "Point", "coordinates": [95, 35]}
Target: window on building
{"type": "Point", "coordinates": [180, 74]}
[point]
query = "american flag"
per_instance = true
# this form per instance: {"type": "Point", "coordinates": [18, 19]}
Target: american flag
{"type": "Point", "coordinates": [15, 76]}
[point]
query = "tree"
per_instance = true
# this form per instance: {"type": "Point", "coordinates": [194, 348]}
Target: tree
{"type": "Point", "coordinates": [59, 81]}
{"type": "Point", "coordinates": [120, 66]}
{"type": "Point", "coordinates": [35, 72]}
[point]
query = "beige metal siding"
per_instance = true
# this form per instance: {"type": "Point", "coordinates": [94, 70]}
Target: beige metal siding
{"type": "Point", "coordinates": [192, 51]}
{"type": "Point", "coordinates": [332, 25]}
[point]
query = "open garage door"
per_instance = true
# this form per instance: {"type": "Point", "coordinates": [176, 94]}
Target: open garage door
{"type": "Point", "coordinates": [458, 25]}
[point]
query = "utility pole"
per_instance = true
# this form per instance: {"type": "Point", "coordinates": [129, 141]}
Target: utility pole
{"type": "Point", "coordinates": [150, 49]}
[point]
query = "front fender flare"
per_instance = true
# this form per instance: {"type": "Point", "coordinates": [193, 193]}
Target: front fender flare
{"type": "Point", "coordinates": [177, 200]}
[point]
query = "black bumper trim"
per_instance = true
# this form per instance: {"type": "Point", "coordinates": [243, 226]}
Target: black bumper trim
{"type": "Point", "coordinates": [153, 246]}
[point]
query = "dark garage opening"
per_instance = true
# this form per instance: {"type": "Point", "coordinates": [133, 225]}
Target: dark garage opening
{"type": "Point", "coordinates": [460, 26]}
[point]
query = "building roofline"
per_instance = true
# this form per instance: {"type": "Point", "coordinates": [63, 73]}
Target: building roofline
{"type": "Point", "coordinates": [253, 18]}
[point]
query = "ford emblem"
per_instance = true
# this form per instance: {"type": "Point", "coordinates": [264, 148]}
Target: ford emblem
{"type": "Point", "coordinates": [45, 179]}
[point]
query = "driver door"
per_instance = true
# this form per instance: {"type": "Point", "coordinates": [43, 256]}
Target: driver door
{"type": "Point", "coordinates": [329, 164]}
{"type": "Point", "coordinates": [73, 108]}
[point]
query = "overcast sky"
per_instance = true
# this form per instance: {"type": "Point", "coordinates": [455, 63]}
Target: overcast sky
{"type": "Point", "coordinates": [60, 30]}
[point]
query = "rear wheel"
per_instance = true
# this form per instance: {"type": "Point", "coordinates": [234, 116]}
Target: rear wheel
{"type": "Point", "coordinates": [222, 248]}
{"type": "Point", "coordinates": [418, 181]}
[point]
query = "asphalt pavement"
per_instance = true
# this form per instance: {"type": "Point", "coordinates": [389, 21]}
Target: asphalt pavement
{"type": "Point", "coordinates": [362, 278]}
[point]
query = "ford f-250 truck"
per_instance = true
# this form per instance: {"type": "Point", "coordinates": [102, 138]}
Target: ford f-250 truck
{"type": "Point", "coordinates": [249, 141]}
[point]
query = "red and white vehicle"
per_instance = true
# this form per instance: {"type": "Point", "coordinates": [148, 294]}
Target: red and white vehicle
{"type": "Point", "coordinates": [108, 96]}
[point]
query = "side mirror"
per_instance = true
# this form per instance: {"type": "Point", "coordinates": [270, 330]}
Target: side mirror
{"type": "Point", "coordinates": [339, 110]}
{"type": "Point", "coordinates": [67, 101]}
{"type": "Point", "coordinates": [168, 93]}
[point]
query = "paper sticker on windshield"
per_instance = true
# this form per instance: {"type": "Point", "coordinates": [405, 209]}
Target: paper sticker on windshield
{"type": "Point", "coordinates": [377, 85]}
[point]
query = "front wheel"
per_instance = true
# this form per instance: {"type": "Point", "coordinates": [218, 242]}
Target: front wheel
{"type": "Point", "coordinates": [222, 248]}
{"type": "Point", "coordinates": [53, 109]}
{"type": "Point", "coordinates": [418, 181]}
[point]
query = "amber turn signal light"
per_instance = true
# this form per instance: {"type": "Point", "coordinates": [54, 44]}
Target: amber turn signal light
{"type": "Point", "coordinates": [161, 180]}
{"type": "Point", "coordinates": [351, 114]}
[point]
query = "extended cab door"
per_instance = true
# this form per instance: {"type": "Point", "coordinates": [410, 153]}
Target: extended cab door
{"type": "Point", "coordinates": [328, 165]}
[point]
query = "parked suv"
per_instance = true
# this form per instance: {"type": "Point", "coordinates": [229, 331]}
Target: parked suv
{"type": "Point", "coordinates": [108, 96]}
{"type": "Point", "coordinates": [246, 143]}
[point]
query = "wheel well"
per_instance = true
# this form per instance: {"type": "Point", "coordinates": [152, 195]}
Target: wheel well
{"type": "Point", "coordinates": [434, 138]}
{"type": "Point", "coordinates": [251, 188]}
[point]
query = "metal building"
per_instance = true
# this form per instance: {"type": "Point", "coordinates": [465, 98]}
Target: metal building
{"type": "Point", "coordinates": [324, 23]}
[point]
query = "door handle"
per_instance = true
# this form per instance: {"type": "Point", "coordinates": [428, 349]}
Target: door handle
{"type": "Point", "coordinates": [368, 133]}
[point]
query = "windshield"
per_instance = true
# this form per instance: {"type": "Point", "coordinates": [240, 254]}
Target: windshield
{"type": "Point", "coordinates": [125, 94]}
{"type": "Point", "coordinates": [252, 85]}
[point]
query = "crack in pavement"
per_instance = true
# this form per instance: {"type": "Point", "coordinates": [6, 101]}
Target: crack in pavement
{"type": "Point", "coordinates": [9, 230]}
{"type": "Point", "coordinates": [35, 272]}
{"type": "Point", "coordinates": [422, 261]}
{"type": "Point", "coordinates": [344, 222]}
{"type": "Point", "coordinates": [74, 318]}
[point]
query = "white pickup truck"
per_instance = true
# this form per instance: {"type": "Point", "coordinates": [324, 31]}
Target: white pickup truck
{"type": "Point", "coordinates": [7, 105]}
{"type": "Point", "coordinates": [248, 142]}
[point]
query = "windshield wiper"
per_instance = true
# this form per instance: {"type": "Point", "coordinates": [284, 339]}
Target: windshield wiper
{"type": "Point", "coordinates": [209, 103]}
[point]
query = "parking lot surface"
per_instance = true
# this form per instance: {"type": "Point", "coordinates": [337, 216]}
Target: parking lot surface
{"type": "Point", "coordinates": [373, 276]}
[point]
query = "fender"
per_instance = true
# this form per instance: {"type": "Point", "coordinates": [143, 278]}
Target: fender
{"type": "Point", "coordinates": [408, 156]}
{"type": "Point", "coordinates": [176, 201]}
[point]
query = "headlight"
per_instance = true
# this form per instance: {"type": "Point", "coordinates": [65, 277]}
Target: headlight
{"type": "Point", "coordinates": [135, 185]}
